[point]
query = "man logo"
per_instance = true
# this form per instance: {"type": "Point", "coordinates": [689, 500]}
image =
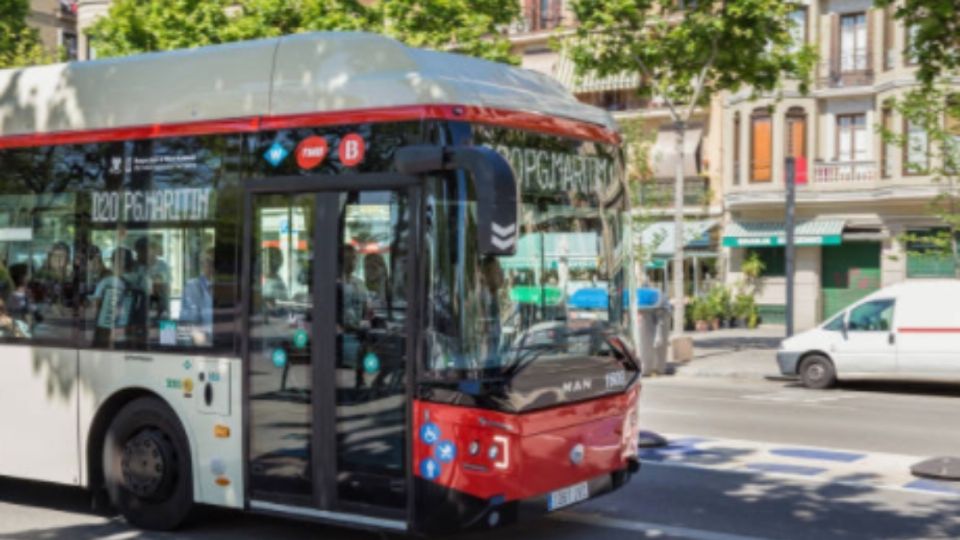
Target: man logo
{"type": "Point", "coordinates": [580, 385]}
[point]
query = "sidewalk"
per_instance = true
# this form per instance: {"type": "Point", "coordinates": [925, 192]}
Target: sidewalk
{"type": "Point", "coordinates": [736, 352]}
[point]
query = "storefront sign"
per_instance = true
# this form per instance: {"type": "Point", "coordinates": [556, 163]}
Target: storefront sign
{"type": "Point", "coordinates": [780, 241]}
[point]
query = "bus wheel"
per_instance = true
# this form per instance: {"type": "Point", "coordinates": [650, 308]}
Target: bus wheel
{"type": "Point", "coordinates": [146, 465]}
{"type": "Point", "coordinates": [817, 372]}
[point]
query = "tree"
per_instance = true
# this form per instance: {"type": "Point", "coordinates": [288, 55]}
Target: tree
{"type": "Point", "coordinates": [19, 43]}
{"type": "Point", "coordinates": [934, 29]}
{"type": "Point", "coordinates": [134, 26]}
{"type": "Point", "coordinates": [933, 107]}
{"type": "Point", "coordinates": [685, 52]}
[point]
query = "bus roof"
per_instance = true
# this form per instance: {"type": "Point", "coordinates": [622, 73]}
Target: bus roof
{"type": "Point", "coordinates": [292, 75]}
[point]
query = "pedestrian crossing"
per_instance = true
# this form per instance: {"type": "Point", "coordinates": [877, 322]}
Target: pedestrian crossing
{"type": "Point", "coordinates": [878, 470]}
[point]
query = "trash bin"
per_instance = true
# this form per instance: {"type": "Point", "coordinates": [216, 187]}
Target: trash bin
{"type": "Point", "coordinates": [653, 317]}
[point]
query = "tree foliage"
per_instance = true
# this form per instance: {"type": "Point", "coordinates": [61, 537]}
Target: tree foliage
{"type": "Point", "coordinates": [934, 106]}
{"type": "Point", "coordinates": [19, 43]}
{"type": "Point", "coordinates": [687, 51]}
{"type": "Point", "coordinates": [934, 29]}
{"type": "Point", "coordinates": [470, 27]}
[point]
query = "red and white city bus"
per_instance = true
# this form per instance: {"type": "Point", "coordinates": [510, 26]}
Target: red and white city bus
{"type": "Point", "coordinates": [323, 276]}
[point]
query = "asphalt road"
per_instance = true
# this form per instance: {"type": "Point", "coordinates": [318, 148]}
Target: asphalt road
{"type": "Point", "coordinates": [700, 499]}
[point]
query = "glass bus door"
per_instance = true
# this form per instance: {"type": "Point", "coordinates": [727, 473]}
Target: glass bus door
{"type": "Point", "coordinates": [329, 277]}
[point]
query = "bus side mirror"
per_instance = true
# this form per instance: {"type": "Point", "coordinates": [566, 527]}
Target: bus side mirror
{"type": "Point", "coordinates": [494, 184]}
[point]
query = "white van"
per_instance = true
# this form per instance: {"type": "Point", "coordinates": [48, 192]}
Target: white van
{"type": "Point", "coordinates": [906, 331]}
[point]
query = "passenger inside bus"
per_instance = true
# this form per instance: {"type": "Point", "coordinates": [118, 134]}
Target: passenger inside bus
{"type": "Point", "coordinates": [9, 327]}
{"type": "Point", "coordinates": [274, 288]}
{"type": "Point", "coordinates": [156, 272]}
{"type": "Point", "coordinates": [196, 308]}
{"type": "Point", "coordinates": [118, 301]}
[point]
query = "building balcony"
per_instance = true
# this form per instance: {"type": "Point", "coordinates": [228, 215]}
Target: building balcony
{"type": "Point", "coordinates": [845, 172]}
{"type": "Point", "coordinates": [659, 193]}
{"type": "Point", "coordinates": [849, 71]}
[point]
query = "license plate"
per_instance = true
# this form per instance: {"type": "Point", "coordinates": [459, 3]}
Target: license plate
{"type": "Point", "coordinates": [567, 496]}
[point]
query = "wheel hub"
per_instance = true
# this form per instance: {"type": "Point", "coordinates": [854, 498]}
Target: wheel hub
{"type": "Point", "coordinates": [815, 372]}
{"type": "Point", "coordinates": [148, 464]}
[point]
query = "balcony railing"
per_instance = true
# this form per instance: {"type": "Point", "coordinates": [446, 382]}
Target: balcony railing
{"type": "Point", "coordinates": [659, 193]}
{"type": "Point", "coordinates": [849, 71]}
{"type": "Point", "coordinates": [845, 171]}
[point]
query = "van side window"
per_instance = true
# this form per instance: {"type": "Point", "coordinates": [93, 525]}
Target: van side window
{"type": "Point", "coordinates": [835, 325]}
{"type": "Point", "coordinates": [875, 316]}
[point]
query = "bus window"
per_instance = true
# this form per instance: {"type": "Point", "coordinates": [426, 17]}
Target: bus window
{"type": "Point", "coordinates": [37, 277]}
{"type": "Point", "coordinates": [151, 289]}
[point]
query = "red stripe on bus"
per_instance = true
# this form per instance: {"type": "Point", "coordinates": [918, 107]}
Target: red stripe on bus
{"type": "Point", "coordinates": [497, 117]}
{"type": "Point", "coordinates": [155, 131]}
{"type": "Point", "coordinates": [920, 330]}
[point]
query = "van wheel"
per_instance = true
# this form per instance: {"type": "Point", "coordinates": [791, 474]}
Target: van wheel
{"type": "Point", "coordinates": [817, 372]}
{"type": "Point", "coordinates": [146, 465]}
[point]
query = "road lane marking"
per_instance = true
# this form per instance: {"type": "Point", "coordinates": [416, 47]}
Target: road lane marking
{"type": "Point", "coordinates": [823, 465]}
{"type": "Point", "coordinates": [786, 468]}
{"type": "Point", "coordinates": [650, 530]}
{"type": "Point", "coordinates": [817, 454]}
{"type": "Point", "coordinates": [810, 479]}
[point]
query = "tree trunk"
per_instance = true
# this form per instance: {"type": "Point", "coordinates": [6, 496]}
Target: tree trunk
{"type": "Point", "coordinates": [679, 299]}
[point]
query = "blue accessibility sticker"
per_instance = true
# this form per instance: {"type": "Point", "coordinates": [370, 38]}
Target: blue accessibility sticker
{"type": "Point", "coordinates": [429, 433]}
{"type": "Point", "coordinates": [279, 358]}
{"type": "Point", "coordinates": [276, 154]}
{"type": "Point", "coordinates": [430, 469]}
{"type": "Point", "coordinates": [445, 451]}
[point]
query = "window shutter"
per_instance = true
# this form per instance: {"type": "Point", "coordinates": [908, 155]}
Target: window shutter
{"type": "Point", "coordinates": [870, 32]}
{"type": "Point", "coordinates": [798, 137]}
{"type": "Point", "coordinates": [762, 151]}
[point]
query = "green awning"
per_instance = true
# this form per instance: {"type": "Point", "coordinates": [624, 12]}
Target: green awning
{"type": "Point", "coordinates": [818, 232]}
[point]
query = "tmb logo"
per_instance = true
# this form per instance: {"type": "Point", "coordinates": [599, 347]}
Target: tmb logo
{"type": "Point", "coordinates": [311, 152]}
{"type": "Point", "coordinates": [352, 150]}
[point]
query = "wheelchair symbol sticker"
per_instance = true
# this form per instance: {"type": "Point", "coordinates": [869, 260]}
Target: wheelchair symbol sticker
{"type": "Point", "coordinates": [430, 433]}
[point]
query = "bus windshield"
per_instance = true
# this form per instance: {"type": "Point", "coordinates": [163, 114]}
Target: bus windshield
{"type": "Point", "coordinates": [560, 298]}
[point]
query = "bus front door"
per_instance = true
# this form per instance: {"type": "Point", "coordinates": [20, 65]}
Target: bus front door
{"type": "Point", "coordinates": [329, 275]}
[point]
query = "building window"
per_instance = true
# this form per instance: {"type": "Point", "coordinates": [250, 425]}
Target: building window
{"type": "Point", "coordinates": [761, 151]}
{"type": "Point", "coordinates": [929, 254]}
{"type": "Point", "coordinates": [798, 28]}
{"type": "Point", "coordinates": [543, 14]}
{"type": "Point", "coordinates": [853, 42]}
{"type": "Point", "coordinates": [886, 148]}
{"type": "Point", "coordinates": [774, 260]}
{"type": "Point", "coordinates": [951, 154]}
{"type": "Point", "coordinates": [69, 44]}
{"type": "Point", "coordinates": [852, 137]}
{"type": "Point", "coordinates": [737, 178]}
{"type": "Point", "coordinates": [917, 150]}
{"type": "Point", "coordinates": [909, 52]}
{"type": "Point", "coordinates": [796, 132]}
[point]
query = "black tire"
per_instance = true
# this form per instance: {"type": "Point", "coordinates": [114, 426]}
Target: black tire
{"type": "Point", "coordinates": [817, 372]}
{"type": "Point", "coordinates": [147, 465]}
